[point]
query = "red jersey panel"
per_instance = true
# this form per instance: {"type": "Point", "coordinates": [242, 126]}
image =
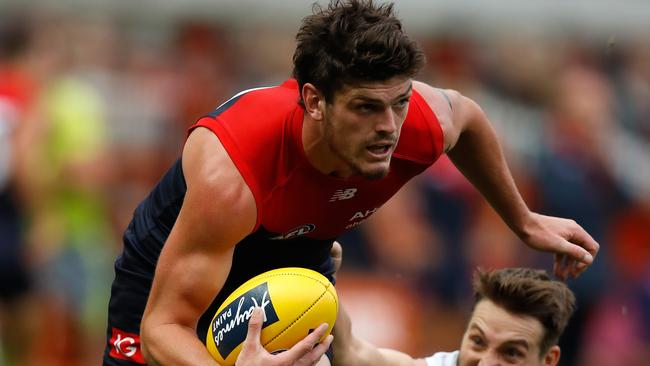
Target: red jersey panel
{"type": "Point", "coordinates": [261, 129]}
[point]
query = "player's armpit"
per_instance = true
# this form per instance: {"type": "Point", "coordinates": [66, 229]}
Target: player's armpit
{"type": "Point", "coordinates": [218, 211]}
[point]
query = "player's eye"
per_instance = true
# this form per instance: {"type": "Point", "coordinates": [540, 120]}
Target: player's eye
{"type": "Point", "coordinates": [513, 353]}
{"type": "Point", "coordinates": [477, 341]}
{"type": "Point", "coordinates": [402, 103]}
{"type": "Point", "coordinates": [366, 107]}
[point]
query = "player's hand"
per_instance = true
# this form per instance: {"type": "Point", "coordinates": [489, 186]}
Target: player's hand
{"type": "Point", "coordinates": [307, 352]}
{"type": "Point", "coordinates": [337, 256]}
{"type": "Point", "coordinates": [574, 248]}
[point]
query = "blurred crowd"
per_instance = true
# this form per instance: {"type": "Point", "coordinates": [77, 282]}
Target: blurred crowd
{"type": "Point", "coordinates": [93, 111]}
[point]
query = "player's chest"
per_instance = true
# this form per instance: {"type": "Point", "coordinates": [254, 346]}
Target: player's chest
{"type": "Point", "coordinates": [325, 208]}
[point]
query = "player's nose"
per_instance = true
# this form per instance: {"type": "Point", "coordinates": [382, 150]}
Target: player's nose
{"type": "Point", "coordinates": [387, 123]}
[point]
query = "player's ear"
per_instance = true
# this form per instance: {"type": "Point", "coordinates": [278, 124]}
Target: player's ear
{"type": "Point", "coordinates": [314, 101]}
{"type": "Point", "coordinates": [552, 356]}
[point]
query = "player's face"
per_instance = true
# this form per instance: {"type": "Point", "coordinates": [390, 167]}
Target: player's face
{"type": "Point", "coordinates": [363, 123]}
{"type": "Point", "coordinates": [496, 337]}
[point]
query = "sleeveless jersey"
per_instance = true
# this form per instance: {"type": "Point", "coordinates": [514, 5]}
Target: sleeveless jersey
{"type": "Point", "coordinates": [261, 131]}
{"type": "Point", "coordinates": [300, 211]}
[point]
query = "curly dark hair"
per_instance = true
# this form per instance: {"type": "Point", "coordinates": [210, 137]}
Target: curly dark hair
{"type": "Point", "coordinates": [353, 41]}
{"type": "Point", "coordinates": [529, 292]}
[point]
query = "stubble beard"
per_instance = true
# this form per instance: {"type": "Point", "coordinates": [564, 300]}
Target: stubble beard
{"type": "Point", "coordinates": [349, 160]}
{"type": "Point", "coordinates": [355, 166]}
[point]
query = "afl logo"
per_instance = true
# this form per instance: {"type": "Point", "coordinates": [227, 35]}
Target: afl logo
{"type": "Point", "coordinates": [299, 231]}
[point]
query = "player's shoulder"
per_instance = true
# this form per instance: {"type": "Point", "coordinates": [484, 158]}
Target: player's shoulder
{"type": "Point", "coordinates": [205, 159]}
{"type": "Point", "coordinates": [445, 102]}
{"type": "Point", "coordinates": [441, 101]}
{"type": "Point", "coordinates": [263, 101]}
{"type": "Point", "coordinates": [255, 130]}
{"type": "Point", "coordinates": [284, 94]}
{"type": "Point", "coordinates": [422, 135]}
{"type": "Point", "coordinates": [449, 106]}
{"type": "Point", "coordinates": [254, 121]}
{"type": "Point", "coordinates": [215, 185]}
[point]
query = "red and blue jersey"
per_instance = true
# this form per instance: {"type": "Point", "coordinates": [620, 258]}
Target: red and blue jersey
{"type": "Point", "coordinates": [261, 130]}
{"type": "Point", "coordinates": [300, 211]}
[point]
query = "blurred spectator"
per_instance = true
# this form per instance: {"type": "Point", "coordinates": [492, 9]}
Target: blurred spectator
{"type": "Point", "coordinates": [410, 251]}
{"type": "Point", "coordinates": [618, 323]}
{"type": "Point", "coordinates": [205, 68]}
{"type": "Point", "coordinates": [576, 180]}
{"type": "Point", "coordinates": [633, 83]}
{"type": "Point", "coordinates": [385, 312]}
{"type": "Point", "coordinates": [144, 132]}
{"type": "Point", "coordinates": [68, 230]}
{"type": "Point", "coordinates": [614, 333]}
{"type": "Point", "coordinates": [449, 203]}
{"type": "Point", "coordinates": [17, 93]}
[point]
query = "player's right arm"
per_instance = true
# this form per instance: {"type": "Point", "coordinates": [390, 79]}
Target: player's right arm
{"type": "Point", "coordinates": [351, 351]}
{"type": "Point", "coordinates": [218, 211]}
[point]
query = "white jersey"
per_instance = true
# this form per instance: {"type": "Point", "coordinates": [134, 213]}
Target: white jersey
{"type": "Point", "coordinates": [443, 359]}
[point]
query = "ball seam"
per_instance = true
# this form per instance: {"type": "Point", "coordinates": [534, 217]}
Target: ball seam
{"type": "Point", "coordinates": [297, 318]}
{"type": "Point", "coordinates": [327, 284]}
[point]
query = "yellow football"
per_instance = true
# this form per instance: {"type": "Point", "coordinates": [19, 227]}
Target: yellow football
{"type": "Point", "coordinates": [294, 301]}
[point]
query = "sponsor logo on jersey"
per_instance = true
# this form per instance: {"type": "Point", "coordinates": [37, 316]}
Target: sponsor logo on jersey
{"type": "Point", "coordinates": [125, 346]}
{"type": "Point", "coordinates": [343, 194]}
{"type": "Point", "coordinates": [230, 326]}
{"type": "Point", "coordinates": [359, 217]}
{"type": "Point", "coordinates": [299, 231]}
{"type": "Point", "coordinates": [363, 214]}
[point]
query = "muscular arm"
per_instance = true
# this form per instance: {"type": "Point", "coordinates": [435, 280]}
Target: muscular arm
{"type": "Point", "coordinates": [351, 351]}
{"type": "Point", "coordinates": [472, 145]}
{"type": "Point", "coordinates": [217, 212]}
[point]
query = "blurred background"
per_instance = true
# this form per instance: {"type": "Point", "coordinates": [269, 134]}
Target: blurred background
{"type": "Point", "coordinates": [96, 95]}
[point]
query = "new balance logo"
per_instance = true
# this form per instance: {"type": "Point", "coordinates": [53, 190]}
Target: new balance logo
{"type": "Point", "coordinates": [343, 194]}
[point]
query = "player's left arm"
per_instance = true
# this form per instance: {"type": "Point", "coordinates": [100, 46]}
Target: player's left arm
{"type": "Point", "coordinates": [349, 350]}
{"type": "Point", "coordinates": [472, 145]}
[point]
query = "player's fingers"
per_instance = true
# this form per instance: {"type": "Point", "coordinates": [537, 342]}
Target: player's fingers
{"type": "Point", "coordinates": [566, 267]}
{"type": "Point", "coordinates": [254, 329]}
{"type": "Point", "coordinates": [317, 352]}
{"type": "Point", "coordinates": [337, 255]}
{"type": "Point", "coordinates": [582, 238]}
{"type": "Point", "coordinates": [580, 267]}
{"type": "Point", "coordinates": [302, 348]}
{"type": "Point", "coordinates": [576, 252]}
{"type": "Point", "coordinates": [557, 266]}
{"type": "Point", "coordinates": [322, 347]}
{"type": "Point", "coordinates": [573, 268]}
